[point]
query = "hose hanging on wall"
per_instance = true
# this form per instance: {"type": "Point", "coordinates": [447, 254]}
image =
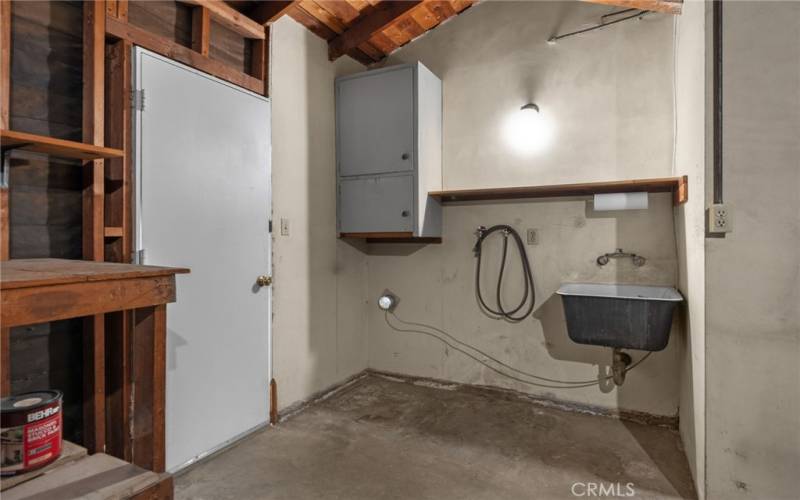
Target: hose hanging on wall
{"type": "Point", "coordinates": [530, 292]}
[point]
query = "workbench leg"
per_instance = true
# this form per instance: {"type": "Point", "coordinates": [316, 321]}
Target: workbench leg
{"type": "Point", "coordinates": [149, 390]}
{"type": "Point", "coordinates": [94, 384]}
{"type": "Point", "coordinates": [5, 362]}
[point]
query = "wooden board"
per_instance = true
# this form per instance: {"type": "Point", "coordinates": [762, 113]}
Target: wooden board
{"type": "Point", "coordinates": [69, 453]}
{"type": "Point", "coordinates": [94, 477]}
{"type": "Point", "coordinates": [659, 185]}
{"type": "Point", "coordinates": [57, 147]}
{"type": "Point", "coordinates": [185, 55]}
{"type": "Point", "coordinates": [27, 273]}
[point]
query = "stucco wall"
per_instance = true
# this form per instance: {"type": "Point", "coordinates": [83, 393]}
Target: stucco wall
{"type": "Point", "coordinates": [319, 335]}
{"type": "Point", "coordinates": [753, 274]}
{"type": "Point", "coordinates": [690, 160]}
{"type": "Point", "coordinates": [608, 95]}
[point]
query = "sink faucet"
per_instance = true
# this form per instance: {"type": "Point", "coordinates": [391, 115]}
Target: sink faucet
{"type": "Point", "coordinates": [638, 260]}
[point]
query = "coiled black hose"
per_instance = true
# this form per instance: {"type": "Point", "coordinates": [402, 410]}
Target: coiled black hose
{"type": "Point", "coordinates": [530, 292]}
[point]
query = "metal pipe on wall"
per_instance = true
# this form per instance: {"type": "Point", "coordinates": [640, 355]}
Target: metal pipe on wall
{"type": "Point", "coordinates": [717, 33]}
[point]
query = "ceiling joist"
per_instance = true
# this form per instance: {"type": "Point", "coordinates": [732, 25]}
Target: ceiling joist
{"type": "Point", "coordinates": [268, 12]}
{"type": "Point", "coordinates": [379, 18]}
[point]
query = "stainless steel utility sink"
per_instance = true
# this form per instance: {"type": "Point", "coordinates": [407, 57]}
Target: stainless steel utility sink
{"type": "Point", "coordinates": [623, 316]}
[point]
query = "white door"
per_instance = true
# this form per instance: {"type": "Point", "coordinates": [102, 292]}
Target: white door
{"type": "Point", "coordinates": [202, 154]}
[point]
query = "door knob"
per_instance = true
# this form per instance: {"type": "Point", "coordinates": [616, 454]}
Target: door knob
{"type": "Point", "coordinates": [404, 156]}
{"type": "Point", "coordinates": [264, 280]}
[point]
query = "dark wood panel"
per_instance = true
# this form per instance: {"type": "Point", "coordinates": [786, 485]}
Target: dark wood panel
{"type": "Point", "coordinates": [45, 192]}
{"type": "Point", "coordinates": [171, 20]}
{"type": "Point", "coordinates": [230, 48]}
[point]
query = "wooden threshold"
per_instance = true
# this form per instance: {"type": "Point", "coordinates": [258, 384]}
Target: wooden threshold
{"type": "Point", "coordinates": [676, 185]}
{"type": "Point", "coordinates": [57, 147]}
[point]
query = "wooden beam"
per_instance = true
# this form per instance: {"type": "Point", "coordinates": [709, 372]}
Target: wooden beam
{"type": "Point", "coordinates": [201, 30]}
{"type": "Point", "coordinates": [268, 12]}
{"type": "Point", "coordinates": [666, 6]}
{"type": "Point", "coordinates": [5, 63]}
{"type": "Point", "coordinates": [94, 376]}
{"type": "Point", "coordinates": [168, 48]}
{"type": "Point", "coordinates": [384, 14]}
{"type": "Point", "coordinates": [5, 232]}
{"type": "Point", "coordinates": [231, 18]}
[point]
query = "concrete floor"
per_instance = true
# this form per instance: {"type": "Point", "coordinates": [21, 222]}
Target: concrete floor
{"type": "Point", "coordinates": [382, 439]}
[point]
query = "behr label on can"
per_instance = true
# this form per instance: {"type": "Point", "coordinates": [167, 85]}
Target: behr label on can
{"type": "Point", "coordinates": [31, 430]}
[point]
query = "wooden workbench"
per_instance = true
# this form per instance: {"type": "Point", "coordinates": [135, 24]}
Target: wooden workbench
{"type": "Point", "coordinates": [41, 290]}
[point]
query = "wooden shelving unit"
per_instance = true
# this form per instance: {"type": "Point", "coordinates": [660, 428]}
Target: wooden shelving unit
{"type": "Point", "coordinates": [678, 186]}
{"type": "Point", "coordinates": [11, 139]}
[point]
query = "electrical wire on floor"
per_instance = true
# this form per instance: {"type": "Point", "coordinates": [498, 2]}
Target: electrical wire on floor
{"type": "Point", "coordinates": [463, 347]}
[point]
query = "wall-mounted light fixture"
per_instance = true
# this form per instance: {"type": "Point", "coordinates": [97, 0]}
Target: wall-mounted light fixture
{"type": "Point", "coordinates": [527, 130]}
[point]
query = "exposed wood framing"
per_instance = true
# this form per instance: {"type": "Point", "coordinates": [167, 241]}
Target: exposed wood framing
{"type": "Point", "coordinates": [667, 6]}
{"type": "Point", "coordinates": [5, 233]}
{"type": "Point", "coordinates": [173, 50]}
{"type": "Point", "coordinates": [119, 245]}
{"type": "Point", "coordinates": [117, 9]}
{"type": "Point", "coordinates": [57, 147]}
{"type": "Point", "coordinates": [201, 30]}
{"type": "Point", "coordinates": [149, 346]}
{"type": "Point", "coordinates": [231, 18]}
{"type": "Point", "coordinates": [269, 12]}
{"type": "Point", "coordinates": [385, 13]}
{"type": "Point", "coordinates": [94, 418]}
{"type": "Point", "coordinates": [5, 102]}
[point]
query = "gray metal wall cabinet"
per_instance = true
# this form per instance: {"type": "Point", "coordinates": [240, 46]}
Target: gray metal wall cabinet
{"type": "Point", "coordinates": [389, 152]}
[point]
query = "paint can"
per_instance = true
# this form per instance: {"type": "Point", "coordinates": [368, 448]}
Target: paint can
{"type": "Point", "coordinates": [30, 433]}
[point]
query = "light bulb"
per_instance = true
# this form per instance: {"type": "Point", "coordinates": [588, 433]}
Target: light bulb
{"type": "Point", "coordinates": [527, 130]}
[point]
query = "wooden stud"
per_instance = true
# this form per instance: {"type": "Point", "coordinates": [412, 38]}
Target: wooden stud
{"type": "Point", "coordinates": [5, 232]}
{"type": "Point", "coordinates": [231, 18]}
{"type": "Point", "coordinates": [5, 63]}
{"type": "Point", "coordinates": [94, 418]}
{"type": "Point", "coordinates": [185, 55]}
{"type": "Point", "coordinates": [382, 16]}
{"type": "Point", "coordinates": [201, 30]}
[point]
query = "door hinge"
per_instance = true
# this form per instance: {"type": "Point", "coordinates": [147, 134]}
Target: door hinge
{"type": "Point", "coordinates": [138, 257]}
{"type": "Point", "coordinates": [270, 226]}
{"type": "Point", "coordinates": [137, 99]}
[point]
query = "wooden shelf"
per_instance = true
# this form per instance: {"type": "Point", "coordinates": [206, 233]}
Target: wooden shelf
{"type": "Point", "coordinates": [57, 147]}
{"type": "Point", "coordinates": [676, 185]}
{"type": "Point", "coordinates": [74, 475]}
{"type": "Point", "coordinates": [69, 453]}
{"type": "Point", "coordinates": [396, 237]}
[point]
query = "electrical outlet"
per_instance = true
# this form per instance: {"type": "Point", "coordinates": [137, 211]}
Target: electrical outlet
{"type": "Point", "coordinates": [284, 227]}
{"type": "Point", "coordinates": [533, 237]}
{"type": "Point", "coordinates": [720, 219]}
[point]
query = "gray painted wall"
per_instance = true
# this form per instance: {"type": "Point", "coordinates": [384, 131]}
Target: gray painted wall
{"type": "Point", "coordinates": [609, 97]}
{"type": "Point", "coordinates": [753, 275]}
